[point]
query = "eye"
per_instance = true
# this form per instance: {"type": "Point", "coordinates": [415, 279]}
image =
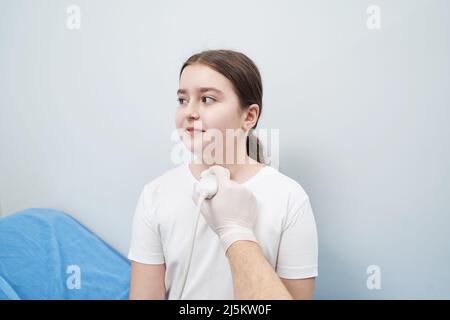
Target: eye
{"type": "Point", "coordinates": [180, 100]}
{"type": "Point", "coordinates": [206, 97]}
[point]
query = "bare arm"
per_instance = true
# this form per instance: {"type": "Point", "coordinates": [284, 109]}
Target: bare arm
{"type": "Point", "coordinates": [253, 276]}
{"type": "Point", "coordinates": [147, 281]}
{"type": "Point", "coordinates": [300, 289]}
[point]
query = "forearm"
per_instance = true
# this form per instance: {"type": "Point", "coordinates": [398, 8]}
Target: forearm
{"type": "Point", "coordinates": [253, 276]}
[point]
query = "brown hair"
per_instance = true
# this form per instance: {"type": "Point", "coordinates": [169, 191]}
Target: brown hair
{"type": "Point", "coordinates": [246, 80]}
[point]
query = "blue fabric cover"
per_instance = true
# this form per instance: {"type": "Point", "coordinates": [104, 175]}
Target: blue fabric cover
{"type": "Point", "coordinates": [45, 253]}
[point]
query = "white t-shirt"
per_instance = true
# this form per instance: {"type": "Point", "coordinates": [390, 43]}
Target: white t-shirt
{"type": "Point", "coordinates": [165, 217]}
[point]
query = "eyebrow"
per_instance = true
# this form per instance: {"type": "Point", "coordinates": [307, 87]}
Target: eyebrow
{"type": "Point", "coordinates": [204, 89]}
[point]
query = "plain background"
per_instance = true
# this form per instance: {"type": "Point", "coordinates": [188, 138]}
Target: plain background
{"type": "Point", "coordinates": [86, 118]}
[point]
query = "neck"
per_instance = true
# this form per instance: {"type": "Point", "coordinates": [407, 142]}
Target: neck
{"type": "Point", "coordinates": [238, 172]}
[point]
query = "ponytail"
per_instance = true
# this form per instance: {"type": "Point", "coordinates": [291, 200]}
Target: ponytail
{"type": "Point", "coordinates": [254, 147]}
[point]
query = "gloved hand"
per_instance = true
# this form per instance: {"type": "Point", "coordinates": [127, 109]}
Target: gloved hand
{"type": "Point", "coordinates": [232, 212]}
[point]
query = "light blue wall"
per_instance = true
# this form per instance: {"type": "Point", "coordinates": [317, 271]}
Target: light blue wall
{"type": "Point", "coordinates": [86, 117]}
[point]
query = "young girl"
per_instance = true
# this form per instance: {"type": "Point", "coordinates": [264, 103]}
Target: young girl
{"type": "Point", "coordinates": [219, 90]}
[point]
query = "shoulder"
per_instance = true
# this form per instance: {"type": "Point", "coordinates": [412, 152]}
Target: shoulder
{"type": "Point", "coordinates": [281, 183]}
{"type": "Point", "coordinates": [170, 178]}
{"type": "Point", "coordinates": [295, 200]}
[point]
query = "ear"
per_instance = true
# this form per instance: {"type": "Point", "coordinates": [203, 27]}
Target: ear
{"type": "Point", "coordinates": [250, 116]}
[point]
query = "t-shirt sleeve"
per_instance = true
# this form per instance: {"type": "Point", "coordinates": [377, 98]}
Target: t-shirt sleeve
{"type": "Point", "coordinates": [298, 251]}
{"type": "Point", "coordinates": [145, 244]}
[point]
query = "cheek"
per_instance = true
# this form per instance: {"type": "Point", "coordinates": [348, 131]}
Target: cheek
{"type": "Point", "coordinates": [179, 118]}
{"type": "Point", "coordinates": [224, 121]}
{"type": "Point", "coordinates": [221, 118]}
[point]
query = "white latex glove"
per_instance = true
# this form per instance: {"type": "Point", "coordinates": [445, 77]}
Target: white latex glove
{"type": "Point", "coordinates": [232, 212]}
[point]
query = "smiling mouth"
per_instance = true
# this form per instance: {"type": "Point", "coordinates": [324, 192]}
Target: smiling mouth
{"type": "Point", "coordinates": [192, 130]}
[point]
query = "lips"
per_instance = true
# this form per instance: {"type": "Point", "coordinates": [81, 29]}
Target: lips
{"type": "Point", "coordinates": [192, 130]}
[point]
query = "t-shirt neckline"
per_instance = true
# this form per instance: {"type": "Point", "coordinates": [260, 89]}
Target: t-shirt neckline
{"type": "Point", "coordinates": [259, 173]}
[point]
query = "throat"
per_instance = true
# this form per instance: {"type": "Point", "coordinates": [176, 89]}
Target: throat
{"type": "Point", "coordinates": [239, 173]}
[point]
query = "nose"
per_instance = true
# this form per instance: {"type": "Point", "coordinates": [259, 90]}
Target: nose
{"type": "Point", "coordinates": [193, 116]}
{"type": "Point", "coordinates": [192, 111]}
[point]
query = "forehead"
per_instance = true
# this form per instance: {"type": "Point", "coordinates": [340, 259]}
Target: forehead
{"type": "Point", "coordinates": [198, 76]}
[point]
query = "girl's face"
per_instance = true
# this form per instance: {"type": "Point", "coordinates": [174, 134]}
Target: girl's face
{"type": "Point", "coordinates": [208, 102]}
